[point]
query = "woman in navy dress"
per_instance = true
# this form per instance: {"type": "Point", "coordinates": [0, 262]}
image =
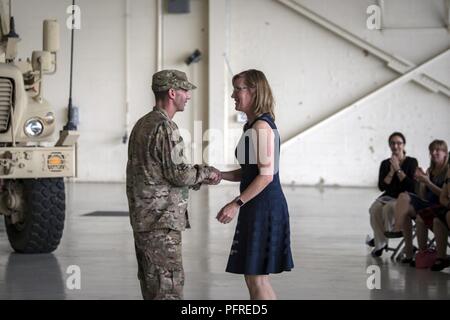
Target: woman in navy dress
{"type": "Point", "coordinates": [261, 243]}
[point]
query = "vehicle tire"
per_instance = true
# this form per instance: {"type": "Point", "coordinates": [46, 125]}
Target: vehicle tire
{"type": "Point", "coordinates": [43, 214]}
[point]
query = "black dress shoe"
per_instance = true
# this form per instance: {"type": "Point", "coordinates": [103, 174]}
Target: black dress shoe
{"type": "Point", "coordinates": [407, 260]}
{"type": "Point", "coordinates": [440, 264]}
{"type": "Point", "coordinates": [371, 243]}
{"type": "Point", "coordinates": [378, 253]}
{"type": "Point", "coordinates": [393, 234]}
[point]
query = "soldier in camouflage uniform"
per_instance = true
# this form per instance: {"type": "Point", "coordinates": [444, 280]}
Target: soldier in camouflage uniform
{"type": "Point", "coordinates": [158, 178]}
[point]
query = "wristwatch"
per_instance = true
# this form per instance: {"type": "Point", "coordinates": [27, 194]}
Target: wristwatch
{"type": "Point", "coordinates": [239, 202]}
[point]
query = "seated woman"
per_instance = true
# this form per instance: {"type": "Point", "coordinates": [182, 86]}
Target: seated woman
{"type": "Point", "coordinates": [440, 226]}
{"type": "Point", "coordinates": [396, 175]}
{"type": "Point", "coordinates": [409, 204]}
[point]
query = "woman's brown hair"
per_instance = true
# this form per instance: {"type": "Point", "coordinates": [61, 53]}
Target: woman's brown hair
{"type": "Point", "coordinates": [263, 99]}
{"type": "Point", "coordinates": [442, 145]}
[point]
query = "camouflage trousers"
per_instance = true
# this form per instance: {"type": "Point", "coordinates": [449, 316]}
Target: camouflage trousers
{"type": "Point", "coordinates": [160, 266]}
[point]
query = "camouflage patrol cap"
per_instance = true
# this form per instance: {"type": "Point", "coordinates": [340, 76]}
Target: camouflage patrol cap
{"type": "Point", "coordinates": [170, 79]}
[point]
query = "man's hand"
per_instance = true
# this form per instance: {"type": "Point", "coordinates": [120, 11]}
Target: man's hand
{"type": "Point", "coordinates": [214, 177]}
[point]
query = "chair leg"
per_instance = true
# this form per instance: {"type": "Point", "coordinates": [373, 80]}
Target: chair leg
{"type": "Point", "coordinates": [397, 249]}
{"type": "Point", "coordinates": [400, 247]}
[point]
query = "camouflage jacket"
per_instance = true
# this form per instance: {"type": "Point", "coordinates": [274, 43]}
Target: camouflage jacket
{"type": "Point", "coordinates": [158, 176]}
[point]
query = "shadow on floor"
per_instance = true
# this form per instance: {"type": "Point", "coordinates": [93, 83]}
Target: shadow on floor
{"type": "Point", "coordinates": [32, 277]}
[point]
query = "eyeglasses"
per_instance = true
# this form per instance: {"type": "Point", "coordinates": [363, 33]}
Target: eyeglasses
{"type": "Point", "coordinates": [438, 149]}
{"type": "Point", "coordinates": [393, 143]}
{"type": "Point", "coordinates": [238, 89]}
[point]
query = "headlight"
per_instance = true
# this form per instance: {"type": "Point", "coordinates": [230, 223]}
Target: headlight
{"type": "Point", "coordinates": [33, 127]}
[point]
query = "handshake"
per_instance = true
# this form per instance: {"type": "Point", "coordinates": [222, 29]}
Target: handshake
{"type": "Point", "coordinates": [214, 177]}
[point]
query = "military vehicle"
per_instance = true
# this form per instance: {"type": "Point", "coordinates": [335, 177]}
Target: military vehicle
{"type": "Point", "coordinates": [32, 167]}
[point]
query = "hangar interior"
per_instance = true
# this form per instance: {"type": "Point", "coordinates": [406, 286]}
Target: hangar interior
{"type": "Point", "coordinates": [345, 75]}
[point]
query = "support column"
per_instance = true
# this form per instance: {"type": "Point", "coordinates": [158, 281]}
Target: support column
{"type": "Point", "coordinates": [218, 114]}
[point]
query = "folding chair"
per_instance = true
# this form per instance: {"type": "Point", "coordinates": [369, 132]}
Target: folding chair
{"type": "Point", "coordinates": [432, 241]}
{"type": "Point", "coordinates": [398, 250]}
{"type": "Point", "coordinates": [395, 250]}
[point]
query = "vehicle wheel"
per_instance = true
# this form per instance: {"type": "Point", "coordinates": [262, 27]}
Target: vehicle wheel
{"type": "Point", "coordinates": [42, 213]}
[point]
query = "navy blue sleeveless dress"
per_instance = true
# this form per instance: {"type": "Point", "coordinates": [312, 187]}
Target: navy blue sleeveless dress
{"type": "Point", "coordinates": [261, 243]}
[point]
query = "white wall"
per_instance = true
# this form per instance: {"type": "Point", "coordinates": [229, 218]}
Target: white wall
{"type": "Point", "coordinates": [313, 74]}
{"type": "Point", "coordinates": [183, 34]}
{"type": "Point", "coordinates": [99, 70]}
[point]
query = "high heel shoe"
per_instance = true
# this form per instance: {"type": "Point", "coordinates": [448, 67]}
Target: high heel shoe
{"type": "Point", "coordinates": [379, 252]}
{"type": "Point", "coordinates": [371, 242]}
{"type": "Point", "coordinates": [440, 264]}
{"type": "Point", "coordinates": [407, 260]}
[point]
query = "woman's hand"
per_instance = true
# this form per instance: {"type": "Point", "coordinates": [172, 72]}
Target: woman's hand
{"type": "Point", "coordinates": [395, 163]}
{"type": "Point", "coordinates": [421, 176]}
{"type": "Point", "coordinates": [214, 177]}
{"type": "Point", "coordinates": [391, 171]}
{"type": "Point", "coordinates": [227, 213]}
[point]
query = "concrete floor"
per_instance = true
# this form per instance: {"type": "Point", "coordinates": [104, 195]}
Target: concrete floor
{"type": "Point", "coordinates": [328, 228]}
